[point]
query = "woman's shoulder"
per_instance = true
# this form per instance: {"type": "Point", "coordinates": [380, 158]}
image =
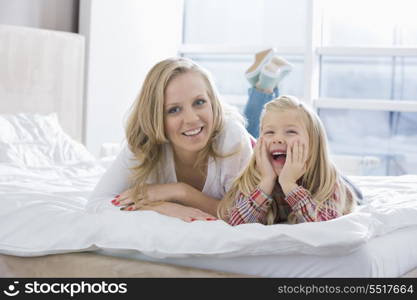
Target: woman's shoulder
{"type": "Point", "coordinates": [234, 122]}
{"type": "Point", "coordinates": [234, 131]}
{"type": "Point", "coordinates": [126, 156]}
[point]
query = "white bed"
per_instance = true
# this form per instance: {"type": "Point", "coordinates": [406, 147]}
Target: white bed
{"type": "Point", "coordinates": [46, 177]}
{"type": "Point", "coordinates": [43, 213]}
{"type": "Point", "coordinates": [391, 255]}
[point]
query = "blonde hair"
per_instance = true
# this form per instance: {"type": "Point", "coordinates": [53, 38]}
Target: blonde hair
{"type": "Point", "coordinates": [145, 132]}
{"type": "Point", "coordinates": [321, 178]}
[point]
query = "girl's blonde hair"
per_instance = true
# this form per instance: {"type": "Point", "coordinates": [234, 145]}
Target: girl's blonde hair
{"type": "Point", "coordinates": [321, 178]}
{"type": "Point", "coordinates": [145, 132]}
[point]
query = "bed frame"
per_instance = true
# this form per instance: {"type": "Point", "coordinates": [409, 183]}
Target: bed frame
{"type": "Point", "coordinates": [85, 264]}
{"type": "Point", "coordinates": [42, 71]}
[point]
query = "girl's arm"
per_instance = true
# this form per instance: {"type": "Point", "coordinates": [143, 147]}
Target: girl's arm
{"type": "Point", "coordinates": [252, 209]}
{"type": "Point", "coordinates": [304, 207]}
{"type": "Point", "coordinates": [299, 198]}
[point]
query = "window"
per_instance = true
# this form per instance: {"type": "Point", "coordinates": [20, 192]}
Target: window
{"type": "Point", "coordinates": [360, 72]}
{"type": "Point", "coordinates": [223, 35]}
{"type": "Point", "coordinates": [369, 60]}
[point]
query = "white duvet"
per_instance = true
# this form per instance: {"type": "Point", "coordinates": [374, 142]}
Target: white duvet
{"type": "Point", "coordinates": [45, 180]}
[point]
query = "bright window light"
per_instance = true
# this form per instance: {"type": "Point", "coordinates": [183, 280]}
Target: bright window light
{"type": "Point", "coordinates": [369, 22]}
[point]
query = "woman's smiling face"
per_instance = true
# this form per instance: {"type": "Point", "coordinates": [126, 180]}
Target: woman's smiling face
{"type": "Point", "coordinates": [188, 113]}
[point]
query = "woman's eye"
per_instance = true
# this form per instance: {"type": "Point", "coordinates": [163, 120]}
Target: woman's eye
{"type": "Point", "coordinates": [174, 110]}
{"type": "Point", "coordinates": [200, 102]}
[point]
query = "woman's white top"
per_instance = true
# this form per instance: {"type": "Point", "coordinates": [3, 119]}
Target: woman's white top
{"type": "Point", "coordinates": [220, 172]}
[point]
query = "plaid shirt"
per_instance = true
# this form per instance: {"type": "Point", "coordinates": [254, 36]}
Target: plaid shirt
{"type": "Point", "coordinates": [253, 209]}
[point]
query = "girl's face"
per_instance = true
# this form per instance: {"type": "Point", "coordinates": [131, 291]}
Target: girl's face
{"type": "Point", "coordinates": [188, 113]}
{"type": "Point", "coordinates": [280, 131]}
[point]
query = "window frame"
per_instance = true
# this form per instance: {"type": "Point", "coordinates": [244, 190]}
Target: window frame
{"type": "Point", "coordinates": [312, 52]}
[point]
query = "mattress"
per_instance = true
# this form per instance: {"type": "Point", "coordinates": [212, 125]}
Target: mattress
{"type": "Point", "coordinates": [391, 255]}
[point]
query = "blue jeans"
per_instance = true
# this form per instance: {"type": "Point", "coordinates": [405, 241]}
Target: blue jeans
{"type": "Point", "coordinates": [254, 106]}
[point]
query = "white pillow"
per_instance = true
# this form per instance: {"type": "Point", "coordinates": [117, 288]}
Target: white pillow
{"type": "Point", "coordinates": [36, 140]}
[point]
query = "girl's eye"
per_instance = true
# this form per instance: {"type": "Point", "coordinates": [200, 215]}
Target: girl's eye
{"type": "Point", "coordinates": [173, 110]}
{"type": "Point", "coordinates": [268, 132]}
{"type": "Point", "coordinates": [291, 131]}
{"type": "Point", "coordinates": [200, 102]}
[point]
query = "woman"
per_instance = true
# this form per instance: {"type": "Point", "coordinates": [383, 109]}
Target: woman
{"type": "Point", "coordinates": [183, 150]}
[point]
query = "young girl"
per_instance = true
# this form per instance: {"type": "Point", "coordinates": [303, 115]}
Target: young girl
{"type": "Point", "coordinates": [290, 177]}
{"type": "Point", "coordinates": [183, 151]}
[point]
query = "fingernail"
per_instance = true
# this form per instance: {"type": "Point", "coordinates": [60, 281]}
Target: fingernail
{"type": "Point", "coordinates": [211, 219]}
{"type": "Point", "coordinates": [193, 219]}
{"type": "Point", "coordinates": [117, 196]}
{"type": "Point", "coordinates": [130, 208]}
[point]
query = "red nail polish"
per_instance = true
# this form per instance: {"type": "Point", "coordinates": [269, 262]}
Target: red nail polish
{"type": "Point", "coordinates": [130, 208]}
{"type": "Point", "coordinates": [117, 196]}
{"type": "Point", "coordinates": [210, 219]}
{"type": "Point", "coordinates": [193, 219]}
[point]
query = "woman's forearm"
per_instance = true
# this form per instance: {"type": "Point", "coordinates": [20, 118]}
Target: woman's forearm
{"type": "Point", "coordinates": [189, 196]}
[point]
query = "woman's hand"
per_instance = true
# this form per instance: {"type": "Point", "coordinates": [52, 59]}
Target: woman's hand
{"type": "Point", "coordinates": [264, 166]}
{"type": "Point", "coordinates": [185, 213]}
{"type": "Point", "coordinates": [152, 193]}
{"type": "Point", "coordinates": [294, 167]}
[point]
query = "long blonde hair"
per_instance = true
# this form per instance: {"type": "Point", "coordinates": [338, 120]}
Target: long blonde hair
{"type": "Point", "coordinates": [145, 132]}
{"type": "Point", "coordinates": [321, 178]}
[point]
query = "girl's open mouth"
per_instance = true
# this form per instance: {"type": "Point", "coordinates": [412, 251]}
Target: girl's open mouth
{"type": "Point", "coordinates": [279, 156]}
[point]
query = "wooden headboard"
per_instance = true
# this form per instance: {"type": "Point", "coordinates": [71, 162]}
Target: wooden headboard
{"type": "Point", "coordinates": [42, 71]}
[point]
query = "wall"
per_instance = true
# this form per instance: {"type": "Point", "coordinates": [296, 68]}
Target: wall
{"type": "Point", "coordinates": [47, 14]}
{"type": "Point", "coordinates": [125, 38]}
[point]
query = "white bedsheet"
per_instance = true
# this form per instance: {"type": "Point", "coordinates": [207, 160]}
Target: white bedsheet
{"type": "Point", "coordinates": [42, 211]}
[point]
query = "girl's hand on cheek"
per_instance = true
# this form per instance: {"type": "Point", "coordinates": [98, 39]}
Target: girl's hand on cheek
{"type": "Point", "coordinates": [264, 166]}
{"type": "Point", "coordinates": [294, 167]}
